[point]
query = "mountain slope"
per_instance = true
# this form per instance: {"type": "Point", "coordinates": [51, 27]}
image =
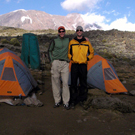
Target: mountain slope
{"type": "Point", "coordinates": [37, 20]}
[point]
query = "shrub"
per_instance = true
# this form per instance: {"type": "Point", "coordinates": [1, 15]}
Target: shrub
{"type": "Point", "coordinates": [110, 46]}
{"type": "Point", "coordinates": [126, 59]}
{"type": "Point", "coordinates": [4, 41]}
{"type": "Point", "coordinates": [15, 42]}
{"type": "Point", "coordinates": [104, 41]}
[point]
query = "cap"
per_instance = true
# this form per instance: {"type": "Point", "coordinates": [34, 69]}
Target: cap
{"type": "Point", "coordinates": [61, 27]}
{"type": "Point", "coordinates": [79, 28]}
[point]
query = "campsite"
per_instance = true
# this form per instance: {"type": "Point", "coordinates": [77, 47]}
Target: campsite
{"type": "Point", "coordinates": [105, 113]}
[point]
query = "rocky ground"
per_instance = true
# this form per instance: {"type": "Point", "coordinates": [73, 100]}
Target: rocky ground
{"type": "Point", "coordinates": [116, 46]}
{"type": "Point", "coordinates": [103, 113]}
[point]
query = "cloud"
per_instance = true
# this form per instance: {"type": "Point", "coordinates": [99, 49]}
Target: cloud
{"type": "Point", "coordinates": [80, 5]}
{"type": "Point", "coordinates": [101, 20]}
{"type": "Point", "coordinates": [108, 3]}
{"type": "Point", "coordinates": [18, 1]}
{"type": "Point", "coordinates": [93, 18]}
{"type": "Point", "coordinates": [129, 14]}
{"type": "Point", "coordinates": [8, 0]}
{"type": "Point", "coordinates": [111, 12]}
{"type": "Point", "coordinates": [121, 23]}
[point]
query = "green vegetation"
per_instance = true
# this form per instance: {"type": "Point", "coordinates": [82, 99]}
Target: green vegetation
{"type": "Point", "coordinates": [104, 41]}
{"type": "Point", "coordinates": [4, 41]}
{"type": "Point", "coordinates": [107, 55]}
{"type": "Point", "coordinates": [15, 42]}
{"type": "Point", "coordinates": [126, 59]}
{"type": "Point", "coordinates": [110, 45]}
{"type": "Point", "coordinates": [105, 50]}
{"type": "Point", "coordinates": [11, 31]}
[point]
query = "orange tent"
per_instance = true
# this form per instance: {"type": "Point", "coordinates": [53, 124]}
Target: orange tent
{"type": "Point", "coordinates": [102, 75]}
{"type": "Point", "coordinates": [15, 77]}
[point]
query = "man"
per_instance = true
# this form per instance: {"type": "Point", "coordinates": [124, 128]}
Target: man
{"type": "Point", "coordinates": [79, 52]}
{"type": "Point", "coordinates": [58, 54]}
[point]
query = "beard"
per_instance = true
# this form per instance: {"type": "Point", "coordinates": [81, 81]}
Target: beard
{"type": "Point", "coordinates": [79, 35]}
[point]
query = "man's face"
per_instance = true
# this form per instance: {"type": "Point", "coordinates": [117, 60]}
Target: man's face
{"type": "Point", "coordinates": [79, 33]}
{"type": "Point", "coordinates": [61, 33]}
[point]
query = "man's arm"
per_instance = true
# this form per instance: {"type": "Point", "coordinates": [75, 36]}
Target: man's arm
{"type": "Point", "coordinates": [86, 38]}
{"type": "Point", "coordinates": [91, 51]}
{"type": "Point", "coordinates": [50, 49]}
{"type": "Point", "coordinates": [69, 51]}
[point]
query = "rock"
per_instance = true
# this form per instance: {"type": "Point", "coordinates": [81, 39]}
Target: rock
{"type": "Point", "coordinates": [79, 121]}
{"type": "Point", "coordinates": [124, 82]}
{"type": "Point", "coordinates": [110, 103]}
{"type": "Point", "coordinates": [132, 92]}
{"type": "Point", "coordinates": [33, 101]}
{"type": "Point", "coordinates": [40, 82]}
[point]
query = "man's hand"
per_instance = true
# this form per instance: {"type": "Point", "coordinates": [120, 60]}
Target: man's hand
{"type": "Point", "coordinates": [86, 39]}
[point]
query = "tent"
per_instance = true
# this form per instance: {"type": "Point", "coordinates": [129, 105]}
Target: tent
{"type": "Point", "coordinates": [102, 75]}
{"type": "Point", "coordinates": [30, 53]}
{"type": "Point", "coordinates": [15, 77]}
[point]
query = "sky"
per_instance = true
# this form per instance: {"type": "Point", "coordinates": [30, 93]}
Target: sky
{"type": "Point", "coordinates": [109, 14]}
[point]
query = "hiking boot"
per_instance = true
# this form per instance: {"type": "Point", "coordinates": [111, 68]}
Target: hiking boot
{"type": "Point", "coordinates": [66, 106]}
{"type": "Point", "coordinates": [72, 105]}
{"type": "Point", "coordinates": [82, 103]}
{"type": "Point", "coordinates": [56, 105]}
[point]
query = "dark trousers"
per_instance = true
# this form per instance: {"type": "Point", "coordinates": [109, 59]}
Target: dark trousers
{"type": "Point", "coordinates": [78, 89]}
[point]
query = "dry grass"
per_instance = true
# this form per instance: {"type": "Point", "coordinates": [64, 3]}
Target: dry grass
{"type": "Point", "coordinates": [11, 31]}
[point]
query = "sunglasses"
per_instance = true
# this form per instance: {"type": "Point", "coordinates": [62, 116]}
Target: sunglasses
{"type": "Point", "coordinates": [78, 30]}
{"type": "Point", "coordinates": [61, 31]}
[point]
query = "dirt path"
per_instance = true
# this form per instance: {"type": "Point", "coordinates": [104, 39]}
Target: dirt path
{"type": "Point", "coordinates": [46, 120]}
